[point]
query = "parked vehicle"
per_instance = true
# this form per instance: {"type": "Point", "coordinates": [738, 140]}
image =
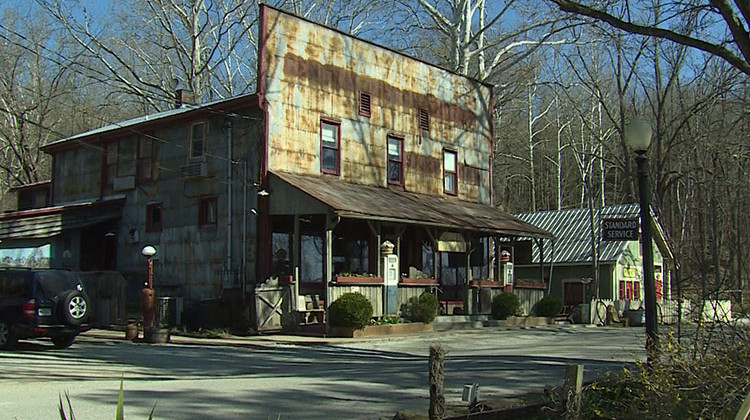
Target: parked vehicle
{"type": "Point", "coordinates": [41, 303]}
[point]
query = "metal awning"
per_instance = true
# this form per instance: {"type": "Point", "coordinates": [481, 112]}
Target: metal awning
{"type": "Point", "coordinates": [368, 202]}
{"type": "Point", "coordinates": [50, 221]}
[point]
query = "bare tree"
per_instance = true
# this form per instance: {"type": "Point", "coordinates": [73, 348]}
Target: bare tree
{"type": "Point", "coordinates": [729, 20]}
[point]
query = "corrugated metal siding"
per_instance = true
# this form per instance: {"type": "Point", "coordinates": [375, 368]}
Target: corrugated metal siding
{"type": "Point", "coordinates": [572, 230]}
{"type": "Point", "coordinates": [310, 72]}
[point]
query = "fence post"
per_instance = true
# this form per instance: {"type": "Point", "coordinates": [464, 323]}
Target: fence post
{"type": "Point", "coordinates": [436, 366]}
{"type": "Point", "coordinates": [572, 389]}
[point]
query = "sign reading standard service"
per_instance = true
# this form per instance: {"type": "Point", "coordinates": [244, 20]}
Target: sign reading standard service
{"type": "Point", "coordinates": [620, 229]}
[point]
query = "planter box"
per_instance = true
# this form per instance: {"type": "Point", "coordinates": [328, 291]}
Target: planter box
{"type": "Point", "coordinates": [405, 281]}
{"type": "Point", "coordinates": [485, 283]}
{"type": "Point", "coordinates": [357, 280]}
{"type": "Point", "coordinates": [379, 330]}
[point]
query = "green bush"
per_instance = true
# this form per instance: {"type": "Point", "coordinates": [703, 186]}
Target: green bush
{"type": "Point", "coordinates": [350, 310]}
{"type": "Point", "coordinates": [423, 308]}
{"type": "Point", "coordinates": [550, 305]}
{"type": "Point", "coordinates": [504, 305]}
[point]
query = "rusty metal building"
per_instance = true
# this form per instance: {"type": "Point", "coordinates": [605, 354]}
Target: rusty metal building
{"type": "Point", "coordinates": [344, 146]}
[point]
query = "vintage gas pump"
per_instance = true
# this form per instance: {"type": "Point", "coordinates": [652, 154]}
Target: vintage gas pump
{"type": "Point", "coordinates": [390, 278]}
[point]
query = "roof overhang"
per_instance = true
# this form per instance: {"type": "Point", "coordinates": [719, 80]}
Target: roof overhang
{"type": "Point", "coordinates": [51, 221]}
{"type": "Point", "coordinates": [366, 202]}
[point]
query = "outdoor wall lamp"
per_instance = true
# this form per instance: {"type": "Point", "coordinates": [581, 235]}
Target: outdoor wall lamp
{"type": "Point", "coordinates": [147, 293]}
{"type": "Point", "coordinates": [638, 137]}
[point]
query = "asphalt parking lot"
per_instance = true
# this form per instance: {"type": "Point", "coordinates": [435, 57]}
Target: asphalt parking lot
{"type": "Point", "coordinates": [295, 378]}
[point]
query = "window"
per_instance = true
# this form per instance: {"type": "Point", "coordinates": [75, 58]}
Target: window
{"type": "Point", "coordinates": [207, 210]}
{"type": "Point", "coordinates": [395, 160]}
{"type": "Point", "coordinates": [450, 175]}
{"type": "Point", "coordinates": [145, 170]}
{"type": "Point", "coordinates": [364, 104]}
{"type": "Point", "coordinates": [153, 217]}
{"type": "Point", "coordinates": [197, 140]}
{"type": "Point", "coordinates": [110, 163]}
{"type": "Point", "coordinates": [329, 147]}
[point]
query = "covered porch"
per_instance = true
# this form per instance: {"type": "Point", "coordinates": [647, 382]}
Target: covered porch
{"type": "Point", "coordinates": [325, 239]}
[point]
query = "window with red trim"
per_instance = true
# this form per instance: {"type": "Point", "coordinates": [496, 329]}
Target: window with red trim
{"type": "Point", "coordinates": [207, 211]}
{"type": "Point", "coordinates": [395, 160]}
{"type": "Point", "coordinates": [450, 172]}
{"type": "Point", "coordinates": [153, 217]}
{"type": "Point", "coordinates": [329, 147]}
{"type": "Point", "coordinates": [636, 290]}
{"type": "Point", "coordinates": [364, 104]}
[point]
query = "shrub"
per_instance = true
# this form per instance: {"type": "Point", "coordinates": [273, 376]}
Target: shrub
{"type": "Point", "coordinates": [423, 308]}
{"type": "Point", "coordinates": [350, 310]}
{"type": "Point", "coordinates": [504, 305]}
{"type": "Point", "coordinates": [550, 305]}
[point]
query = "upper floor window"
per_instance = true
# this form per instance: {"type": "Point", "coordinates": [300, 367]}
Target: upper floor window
{"type": "Point", "coordinates": [207, 211]}
{"type": "Point", "coordinates": [395, 160]}
{"type": "Point", "coordinates": [110, 163]}
{"type": "Point", "coordinates": [153, 217]}
{"type": "Point", "coordinates": [329, 147]}
{"type": "Point", "coordinates": [450, 174]}
{"type": "Point", "coordinates": [197, 140]}
{"type": "Point", "coordinates": [364, 104]}
{"type": "Point", "coordinates": [146, 170]}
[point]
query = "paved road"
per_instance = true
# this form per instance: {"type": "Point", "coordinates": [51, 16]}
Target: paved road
{"type": "Point", "coordinates": [255, 379]}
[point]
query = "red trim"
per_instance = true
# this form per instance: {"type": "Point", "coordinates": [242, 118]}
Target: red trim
{"type": "Point", "coordinates": [337, 149]}
{"type": "Point", "coordinates": [531, 285]}
{"type": "Point", "coordinates": [357, 280]}
{"type": "Point", "coordinates": [417, 282]}
{"type": "Point", "coordinates": [400, 161]}
{"type": "Point", "coordinates": [455, 173]}
{"type": "Point", "coordinates": [492, 141]}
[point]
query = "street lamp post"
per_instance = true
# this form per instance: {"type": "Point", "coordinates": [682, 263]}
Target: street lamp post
{"type": "Point", "coordinates": [147, 293]}
{"type": "Point", "coordinates": [638, 138]}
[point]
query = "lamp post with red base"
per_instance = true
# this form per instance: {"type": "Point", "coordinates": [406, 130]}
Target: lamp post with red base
{"type": "Point", "coordinates": [148, 301]}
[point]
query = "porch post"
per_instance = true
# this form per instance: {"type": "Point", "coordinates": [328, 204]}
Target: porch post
{"type": "Point", "coordinates": [296, 259]}
{"type": "Point", "coordinates": [540, 244]}
{"type": "Point", "coordinates": [331, 222]}
{"type": "Point", "coordinates": [498, 263]}
{"type": "Point", "coordinates": [468, 296]}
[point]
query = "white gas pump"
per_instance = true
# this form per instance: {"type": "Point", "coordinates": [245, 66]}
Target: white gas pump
{"type": "Point", "coordinates": [390, 278]}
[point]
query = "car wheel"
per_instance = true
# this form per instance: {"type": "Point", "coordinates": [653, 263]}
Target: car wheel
{"type": "Point", "coordinates": [7, 339]}
{"type": "Point", "coordinates": [75, 308]}
{"type": "Point", "coordinates": [63, 341]}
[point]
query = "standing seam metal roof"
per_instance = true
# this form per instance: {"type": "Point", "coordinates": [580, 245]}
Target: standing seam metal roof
{"type": "Point", "coordinates": [572, 230]}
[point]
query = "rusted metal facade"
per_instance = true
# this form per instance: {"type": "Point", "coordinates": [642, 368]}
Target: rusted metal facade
{"type": "Point", "coordinates": [311, 73]}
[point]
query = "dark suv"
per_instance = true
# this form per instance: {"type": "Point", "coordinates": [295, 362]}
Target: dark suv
{"type": "Point", "coordinates": [41, 303]}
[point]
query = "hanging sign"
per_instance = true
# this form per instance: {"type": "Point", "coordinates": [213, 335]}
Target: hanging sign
{"type": "Point", "coordinates": [620, 229]}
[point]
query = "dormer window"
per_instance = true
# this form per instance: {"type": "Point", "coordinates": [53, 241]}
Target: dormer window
{"type": "Point", "coordinates": [364, 104]}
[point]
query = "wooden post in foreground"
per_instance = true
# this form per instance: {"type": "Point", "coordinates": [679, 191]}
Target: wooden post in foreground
{"type": "Point", "coordinates": [437, 399]}
{"type": "Point", "coordinates": [572, 387]}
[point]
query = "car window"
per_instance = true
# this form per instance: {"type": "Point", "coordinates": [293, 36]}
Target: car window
{"type": "Point", "coordinates": [12, 285]}
{"type": "Point", "coordinates": [54, 283]}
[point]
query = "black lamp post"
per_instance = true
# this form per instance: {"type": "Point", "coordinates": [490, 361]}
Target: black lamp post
{"type": "Point", "coordinates": [638, 138]}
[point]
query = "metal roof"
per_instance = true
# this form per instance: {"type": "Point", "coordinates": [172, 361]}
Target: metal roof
{"type": "Point", "coordinates": [133, 122]}
{"type": "Point", "coordinates": [572, 230]}
{"type": "Point", "coordinates": [377, 203]}
{"type": "Point", "coordinates": [50, 221]}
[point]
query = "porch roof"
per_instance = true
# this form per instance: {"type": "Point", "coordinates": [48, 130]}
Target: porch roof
{"type": "Point", "coordinates": [50, 221]}
{"type": "Point", "coordinates": [368, 202]}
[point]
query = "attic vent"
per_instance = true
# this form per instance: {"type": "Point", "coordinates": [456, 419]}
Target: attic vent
{"type": "Point", "coordinates": [193, 170]}
{"type": "Point", "coordinates": [424, 120]}
{"type": "Point", "coordinates": [364, 104]}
